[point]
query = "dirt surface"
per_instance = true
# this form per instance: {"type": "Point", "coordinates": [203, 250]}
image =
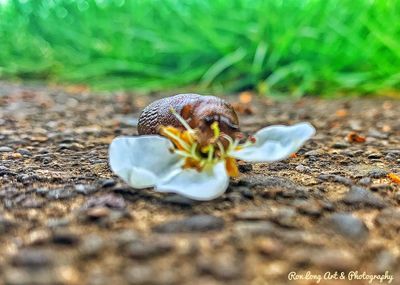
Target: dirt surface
{"type": "Point", "coordinates": [66, 219]}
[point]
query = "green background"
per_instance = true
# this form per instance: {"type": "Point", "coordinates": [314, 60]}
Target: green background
{"type": "Point", "coordinates": [276, 47]}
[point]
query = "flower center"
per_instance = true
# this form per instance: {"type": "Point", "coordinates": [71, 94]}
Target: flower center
{"type": "Point", "coordinates": [186, 143]}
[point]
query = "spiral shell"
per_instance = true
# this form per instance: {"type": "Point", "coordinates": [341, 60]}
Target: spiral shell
{"type": "Point", "coordinates": [198, 110]}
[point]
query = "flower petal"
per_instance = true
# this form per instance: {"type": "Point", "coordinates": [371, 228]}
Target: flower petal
{"type": "Point", "coordinates": [143, 161]}
{"type": "Point", "coordinates": [275, 143]}
{"type": "Point", "coordinates": [204, 185]}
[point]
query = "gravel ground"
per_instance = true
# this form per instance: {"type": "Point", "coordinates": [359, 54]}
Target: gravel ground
{"type": "Point", "coordinates": [66, 219]}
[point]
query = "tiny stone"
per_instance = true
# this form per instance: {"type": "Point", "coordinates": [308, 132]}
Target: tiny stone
{"type": "Point", "coordinates": [200, 223]}
{"type": "Point", "coordinates": [303, 169]}
{"type": "Point", "coordinates": [327, 206]}
{"type": "Point", "coordinates": [381, 187]}
{"type": "Point", "coordinates": [340, 145]}
{"type": "Point", "coordinates": [377, 173]}
{"type": "Point", "coordinates": [73, 146]}
{"type": "Point", "coordinates": [363, 197]}
{"type": "Point", "coordinates": [222, 266]}
{"type": "Point", "coordinates": [276, 166]}
{"type": "Point", "coordinates": [389, 219]}
{"type": "Point", "coordinates": [179, 200]}
{"type": "Point", "coordinates": [56, 223]}
{"type": "Point", "coordinates": [252, 215]}
{"type": "Point", "coordinates": [312, 153]}
{"type": "Point", "coordinates": [98, 212]}
{"type": "Point", "coordinates": [5, 149]}
{"type": "Point", "coordinates": [234, 197]}
{"type": "Point", "coordinates": [108, 183]}
{"type": "Point", "coordinates": [245, 191]}
{"type": "Point", "coordinates": [26, 178]}
{"type": "Point", "coordinates": [32, 202]}
{"type": "Point", "coordinates": [43, 151]}
{"type": "Point", "coordinates": [144, 249]}
{"type": "Point", "coordinates": [365, 181]}
{"type": "Point", "coordinates": [85, 189]}
{"type": "Point", "coordinates": [64, 238]}
{"type": "Point", "coordinates": [384, 261]}
{"type": "Point", "coordinates": [336, 178]}
{"type": "Point", "coordinates": [38, 237]}
{"type": "Point", "coordinates": [62, 193]}
{"type": "Point", "coordinates": [254, 228]}
{"type": "Point", "coordinates": [91, 246]}
{"type": "Point", "coordinates": [285, 217]}
{"type": "Point", "coordinates": [32, 258]}
{"type": "Point", "coordinates": [281, 185]}
{"type": "Point", "coordinates": [392, 156]}
{"type": "Point", "coordinates": [111, 200]}
{"type": "Point", "coordinates": [245, 167]}
{"type": "Point", "coordinates": [15, 155]}
{"type": "Point", "coordinates": [270, 247]}
{"type": "Point", "coordinates": [374, 156]}
{"type": "Point", "coordinates": [348, 226]}
{"type": "Point", "coordinates": [140, 274]}
{"type": "Point", "coordinates": [377, 134]}
{"type": "Point", "coordinates": [6, 224]}
{"type": "Point", "coordinates": [332, 259]}
{"type": "Point", "coordinates": [27, 276]}
{"type": "Point", "coordinates": [24, 152]}
{"type": "Point", "coordinates": [125, 237]}
{"type": "Point", "coordinates": [308, 208]}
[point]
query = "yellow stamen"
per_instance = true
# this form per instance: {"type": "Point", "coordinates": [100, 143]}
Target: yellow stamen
{"type": "Point", "coordinates": [231, 167]}
{"type": "Point", "coordinates": [216, 130]}
{"type": "Point", "coordinates": [201, 157]}
{"type": "Point", "coordinates": [182, 140]}
{"type": "Point", "coordinates": [192, 163]}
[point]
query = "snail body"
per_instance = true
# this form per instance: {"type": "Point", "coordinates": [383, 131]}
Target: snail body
{"type": "Point", "coordinates": [198, 111]}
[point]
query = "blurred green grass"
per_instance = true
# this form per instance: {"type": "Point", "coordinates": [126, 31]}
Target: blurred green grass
{"type": "Point", "coordinates": [275, 47]}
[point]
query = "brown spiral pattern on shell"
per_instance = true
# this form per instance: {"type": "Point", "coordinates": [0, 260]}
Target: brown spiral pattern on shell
{"type": "Point", "coordinates": [158, 113]}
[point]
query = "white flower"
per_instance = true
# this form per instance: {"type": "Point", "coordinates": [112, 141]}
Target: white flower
{"type": "Point", "coordinates": [175, 162]}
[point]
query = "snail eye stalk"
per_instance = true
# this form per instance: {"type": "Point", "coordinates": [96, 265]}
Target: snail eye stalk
{"type": "Point", "coordinates": [227, 122]}
{"type": "Point", "coordinates": [209, 120]}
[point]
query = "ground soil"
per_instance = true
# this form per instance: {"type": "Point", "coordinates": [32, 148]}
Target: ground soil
{"type": "Point", "coordinates": [66, 219]}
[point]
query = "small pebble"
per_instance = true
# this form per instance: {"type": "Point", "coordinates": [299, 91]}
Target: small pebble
{"type": "Point", "coordinates": [303, 169]}
{"type": "Point", "coordinates": [245, 167]}
{"type": "Point", "coordinates": [24, 152]}
{"type": "Point", "coordinates": [85, 189]}
{"type": "Point", "coordinates": [340, 145]}
{"type": "Point", "coordinates": [374, 156]}
{"type": "Point", "coordinates": [334, 259]}
{"type": "Point", "coordinates": [108, 183]}
{"type": "Point", "coordinates": [223, 266]}
{"type": "Point", "coordinates": [253, 215]}
{"type": "Point", "coordinates": [141, 249]}
{"type": "Point", "coordinates": [33, 258]}
{"type": "Point", "coordinates": [63, 237]}
{"type": "Point", "coordinates": [363, 197]}
{"type": "Point", "coordinates": [110, 200]}
{"type": "Point", "coordinates": [243, 229]}
{"type": "Point", "coordinates": [91, 246]}
{"type": "Point", "coordinates": [200, 223]}
{"type": "Point", "coordinates": [179, 200]}
{"type": "Point", "coordinates": [5, 149]}
{"type": "Point", "coordinates": [377, 173]}
{"type": "Point", "coordinates": [61, 193]}
{"type": "Point", "coordinates": [336, 178]}
{"type": "Point", "coordinates": [348, 226]}
{"type": "Point", "coordinates": [381, 187]}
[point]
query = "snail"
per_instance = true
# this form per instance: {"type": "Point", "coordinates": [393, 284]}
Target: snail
{"type": "Point", "coordinates": [198, 111]}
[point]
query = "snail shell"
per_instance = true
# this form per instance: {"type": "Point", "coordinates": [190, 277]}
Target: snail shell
{"type": "Point", "coordinates": [199, 111]}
